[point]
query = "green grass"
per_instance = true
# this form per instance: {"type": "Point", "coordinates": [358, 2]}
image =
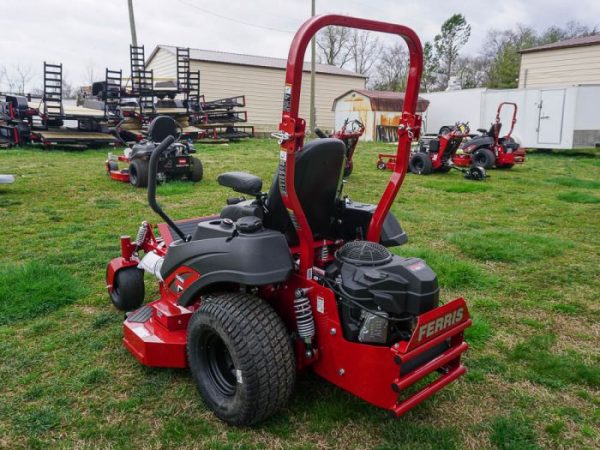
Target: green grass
{"type": "Point", "coordinates": [525, 259]}
{"type": "Point", "coordinates": [578, 197]}
{"type": "Point", "coordinates": [33, 289]}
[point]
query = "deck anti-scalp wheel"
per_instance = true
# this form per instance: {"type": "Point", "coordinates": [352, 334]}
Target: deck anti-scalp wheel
{"type": "Point", "coordinates": [241, 358]}
{"type": "Point", "coordinates": [128, 289]}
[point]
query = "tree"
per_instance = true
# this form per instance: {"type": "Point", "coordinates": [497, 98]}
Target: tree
{"type": "Point", "coordinates": [364, 50]}
{"type": "Point", "coordinates": [89, 71]}
{"type": "Point", "coordinates": [430, 68]}
{"type": "Point", "coordinates": [392, 69]}
{"type": "Point", "coordinates": [471, 72]}
{"type": "Point", "coordinates": [333, 44]}
{"type": "Point", "coordinates": [454, 35]}
{"type": "Point", "coordinates": [23, 76]}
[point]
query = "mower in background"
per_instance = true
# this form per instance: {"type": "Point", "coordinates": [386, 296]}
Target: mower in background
{"type": "Point", "coordinates": [176, 161]}
{"type": "Point", "coordinates": [349, 134]}
{"type": "Point", "coordinates": [436, 154]}
{"type": "Point", "coordinates": [296, 278]}
{"type": "Point", "coordinates": [489, 150]}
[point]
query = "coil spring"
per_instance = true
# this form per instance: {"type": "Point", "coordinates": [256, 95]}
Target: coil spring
{"type": "Point", "coordinates": [141, 234]}
{"type": "Point", "coordinates": [304, 318]}
{"type": "Point", "coordinates": [324, 251]}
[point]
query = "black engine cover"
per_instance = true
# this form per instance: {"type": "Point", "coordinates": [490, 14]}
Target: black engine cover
{"type": "Point", "coordinates": [387, 282]}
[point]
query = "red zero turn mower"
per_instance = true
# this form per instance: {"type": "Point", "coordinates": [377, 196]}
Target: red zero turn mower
{"type": "Point", "coordinates": [349, 134]}
{"type": "Point", "coordinates": [175, 162]}
{"type": "Point", "coordinates": [436, 154]}
{"type": "Point", "coordinates": [489, 150]}
{"type": "Point", "coordinates": [293, 279]}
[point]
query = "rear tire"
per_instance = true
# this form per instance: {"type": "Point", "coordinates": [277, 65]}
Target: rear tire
{"type": "Point", "coordinates": [484, 157]}
{"type": "Point", "coordinates": [138, 173]}
{"type": "Point", "coordinates": [240, 357]}
{"type": "Point", "coordinates": [420, 164]}
{"type": "Point", "coordinates": [197, 170]}
{"type": "Point", "coordinates": [128, 289]}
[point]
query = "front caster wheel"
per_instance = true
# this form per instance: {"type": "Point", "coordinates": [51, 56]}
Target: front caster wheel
{"type": "Point", "coordinates": [240, 357]}
{"type": "Point", "coordinates": [128, 289]}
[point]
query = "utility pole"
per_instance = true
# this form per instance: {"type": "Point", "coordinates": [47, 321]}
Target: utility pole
{"type": "Point", "coordinates": [312, 76]}
{"type": "Point", "coordinates": [132, 23]}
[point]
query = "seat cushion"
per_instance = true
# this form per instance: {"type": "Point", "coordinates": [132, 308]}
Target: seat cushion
{"type": "Point", "coordinates": [243, 182]}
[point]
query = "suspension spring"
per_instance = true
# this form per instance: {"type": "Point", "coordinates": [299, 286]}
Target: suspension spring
{"type": "Point", "coordinates": [324, 251]}
{"type": "Point", "coordinates": [141, 234]}
{"type": "Point", "coordinates": [304, 319]}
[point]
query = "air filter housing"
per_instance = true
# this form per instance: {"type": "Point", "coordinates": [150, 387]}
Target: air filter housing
{"type": "Point", "coordinates": [364, 253]}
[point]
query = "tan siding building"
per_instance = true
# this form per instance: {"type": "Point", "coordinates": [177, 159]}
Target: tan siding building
{"type": "Point", "coordinates": [261, 80]}
{"type": "Point", "coordinates": [566, 63]}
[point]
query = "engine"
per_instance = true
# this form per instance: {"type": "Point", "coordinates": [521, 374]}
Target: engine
{"type": "Point", "coordinates": [380, 294]}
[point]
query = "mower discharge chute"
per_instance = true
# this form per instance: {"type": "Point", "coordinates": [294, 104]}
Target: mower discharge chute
{"type": "Point", "coordinates": [295, 278]}
{"type": "Point", "coordinates": [176, 161]}
{"type": "Point", "coordinates": [489, 150]}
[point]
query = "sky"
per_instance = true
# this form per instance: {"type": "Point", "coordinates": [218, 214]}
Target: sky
{"type": "Point", "coordinates": [90, 35]}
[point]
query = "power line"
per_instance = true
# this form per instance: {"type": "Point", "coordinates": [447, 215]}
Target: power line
{"type": "Point", "coordinates": [231, 19]}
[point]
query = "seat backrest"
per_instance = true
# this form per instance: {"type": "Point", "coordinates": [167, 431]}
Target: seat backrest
{"type": "Point", "coordinates": [318, 174]}
{"type": "Point", "coordinates": [495, 129]}
{"type": "Point", "coordinates": [162, 127]}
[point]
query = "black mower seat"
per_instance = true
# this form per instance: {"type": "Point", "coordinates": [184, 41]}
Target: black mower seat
{"type": "Point", "coordinates": [495, 129]}
{"type": "Point", "coordinates": [162, 127]}
{"type": "Point", "coordinates": [318, 175]}
{"type": "Point", "coordinates": [242, 182]}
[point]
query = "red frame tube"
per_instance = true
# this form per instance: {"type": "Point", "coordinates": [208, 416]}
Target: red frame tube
{"type": "Point", "coordinates": [512, 123]}
{"type": "Point", "coordinates": [293, 126]}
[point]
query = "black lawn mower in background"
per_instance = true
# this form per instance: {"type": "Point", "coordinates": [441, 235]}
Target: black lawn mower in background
{"type": "Point", "coordinates": [176, 162]}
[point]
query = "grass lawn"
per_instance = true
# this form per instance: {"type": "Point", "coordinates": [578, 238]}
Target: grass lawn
{"type": "Point", "coordinates": [522, 247]}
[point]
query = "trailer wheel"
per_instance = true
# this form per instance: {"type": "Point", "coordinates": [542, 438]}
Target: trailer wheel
{"type": "Point", "coordinates": [112, 166]}
{"type": "Point", "coordinates": [484, 157]}
{"type": "Point", "coordinates": [240, 357]}
{"type": "Point", "coordinates": [420, 164]}
{"type": "Point", "coordinates": [348, 169]}
{"type": "Point", "coordinates": [128, 289]}
{"type": "Point", "coordinates": [197, 170]}
{"type": "Point", "coordinates": [381, 165]}
{"type": "Point", "coordinates": [138, 173]}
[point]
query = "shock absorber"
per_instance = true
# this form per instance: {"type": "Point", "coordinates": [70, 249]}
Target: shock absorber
{"type": "Point", "coordinates": [141, 234]}
{"type": "Point", "coordinates": [304, 319]}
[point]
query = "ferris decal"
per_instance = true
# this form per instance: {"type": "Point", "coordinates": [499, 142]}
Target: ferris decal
{"type": "Point", "coordinates": [440, 324]}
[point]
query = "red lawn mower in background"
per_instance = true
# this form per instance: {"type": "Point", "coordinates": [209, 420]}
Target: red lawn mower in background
{"type": "Point", "coordinates": [349, 134]}
{"type": "Point", "coordinates": [489, 150]}
{"type": "Point", "coordinates": [436, 154]}
{"type": "Point", "coordinates": [176, 161]}
{"type": "Point", "coordinates": [296, 278]}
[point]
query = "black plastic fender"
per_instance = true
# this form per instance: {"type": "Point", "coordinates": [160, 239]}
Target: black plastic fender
{"type": "Point", "coordinates": [251, 259]}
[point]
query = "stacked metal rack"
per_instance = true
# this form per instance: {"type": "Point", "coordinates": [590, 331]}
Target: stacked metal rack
{"type": "Point", "coordinates": [90, 126]}
{"type": "Point", "coordinates": [221, 121]}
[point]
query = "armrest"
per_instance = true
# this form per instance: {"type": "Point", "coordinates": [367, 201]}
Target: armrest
{"type": "Point", "coordinates": [243, 182]}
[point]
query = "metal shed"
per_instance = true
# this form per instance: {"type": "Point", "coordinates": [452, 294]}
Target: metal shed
{"type": "Point", "coordinates": [379, 111]}
{"type": "Point", "coordinates": [261, 80]}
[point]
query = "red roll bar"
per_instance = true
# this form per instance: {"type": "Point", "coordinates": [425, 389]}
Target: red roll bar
{"type": "Point", "coordinates": [292, 127]}
{"type": "Point", "coordinates": [512, 122]}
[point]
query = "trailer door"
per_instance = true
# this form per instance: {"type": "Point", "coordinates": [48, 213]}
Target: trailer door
{"type": "Point", "coordinates": [550, 119]}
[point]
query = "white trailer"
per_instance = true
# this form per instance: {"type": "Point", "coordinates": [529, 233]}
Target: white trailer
{"type": "Point", "coordinates": [561, 117]}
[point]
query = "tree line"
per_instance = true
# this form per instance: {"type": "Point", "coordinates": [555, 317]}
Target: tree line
{"type": "Point", "coordinates": [495, 66]}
